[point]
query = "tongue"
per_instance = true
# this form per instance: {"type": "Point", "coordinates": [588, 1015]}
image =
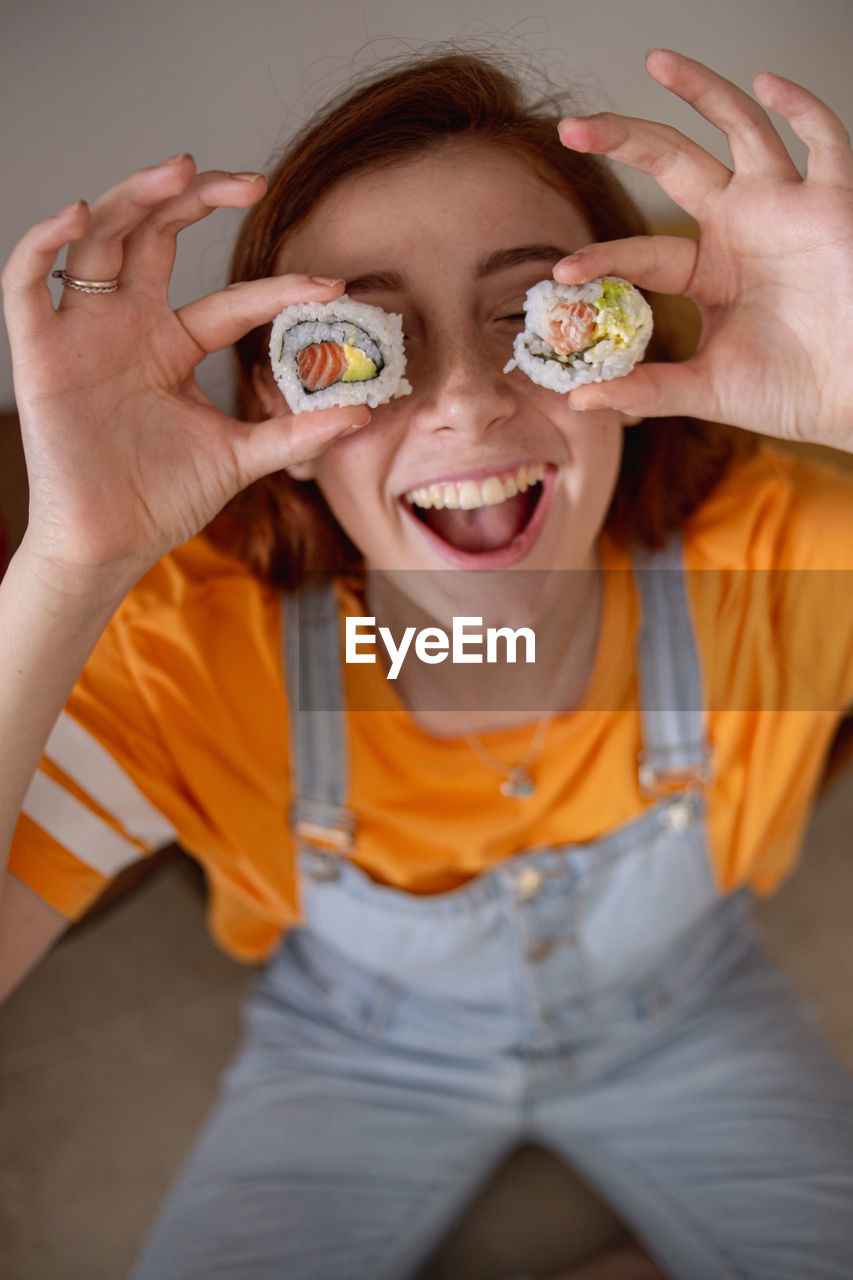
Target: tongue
{"type": "Point", "coordinates": [484, 528]}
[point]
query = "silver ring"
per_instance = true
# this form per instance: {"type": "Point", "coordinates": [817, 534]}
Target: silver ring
{"type": "Point", "coordinates": [85, 286]}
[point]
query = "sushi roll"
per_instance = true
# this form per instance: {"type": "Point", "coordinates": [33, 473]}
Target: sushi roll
{"type": "Point", "coordinates": [337, 353]}
{"type": "Point", "coordinates": [581, 333]}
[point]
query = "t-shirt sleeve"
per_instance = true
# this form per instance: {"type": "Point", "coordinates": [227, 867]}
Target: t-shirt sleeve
{"type": "Point", "coordinates": [105, 793]}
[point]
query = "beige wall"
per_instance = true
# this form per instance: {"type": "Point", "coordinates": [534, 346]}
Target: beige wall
{"type": "Point", "coordinates": [92, 88]}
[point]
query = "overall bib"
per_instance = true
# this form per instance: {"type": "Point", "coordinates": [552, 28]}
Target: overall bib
{"type": "Point", "coordinates": [601, 1000]}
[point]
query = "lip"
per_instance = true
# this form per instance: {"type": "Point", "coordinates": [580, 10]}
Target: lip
{"type": "Point", "coordinates": [503, 557]}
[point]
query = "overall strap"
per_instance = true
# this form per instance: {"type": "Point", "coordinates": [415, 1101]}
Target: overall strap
{"type": "Point", "coordinates": [319, 746]}
{"type": "Point", "coordinates": [676, 752]}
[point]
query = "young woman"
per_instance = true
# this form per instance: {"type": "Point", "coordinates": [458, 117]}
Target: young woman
{"type": "Point", "coordinates": [507, 906]}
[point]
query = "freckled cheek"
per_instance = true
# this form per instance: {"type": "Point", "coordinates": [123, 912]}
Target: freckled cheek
{"type": "Point", "coordinates": [351, 473]}
{"type": "Point", "coordinates": [597, 431]}
{"type": "Point", "coordinates": [594, 442]}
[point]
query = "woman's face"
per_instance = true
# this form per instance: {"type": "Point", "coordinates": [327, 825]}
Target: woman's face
{"type": "Point", "coordinates": [452, 240]}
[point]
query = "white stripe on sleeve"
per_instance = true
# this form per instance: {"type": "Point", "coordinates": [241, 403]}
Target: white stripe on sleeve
{"type": "Point", "coordinates": [92, 767]}
{"type": "Point", "coordinates": [77, 828]}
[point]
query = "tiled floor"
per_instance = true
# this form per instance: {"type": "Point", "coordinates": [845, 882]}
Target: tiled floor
{"type": "Point", "coordinates": [110, 1052]}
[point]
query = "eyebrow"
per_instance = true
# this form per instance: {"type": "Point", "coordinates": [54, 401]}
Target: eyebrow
{"type": "Point", "coordinates": [503, 258]}
{"type": "Point", "coordinates": [500, 260]}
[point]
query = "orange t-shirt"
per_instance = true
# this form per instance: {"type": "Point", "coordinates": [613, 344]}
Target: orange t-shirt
{"type": "Point", "coordinates": [179, 727]}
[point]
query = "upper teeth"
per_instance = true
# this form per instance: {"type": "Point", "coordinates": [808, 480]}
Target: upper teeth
{"type": "Point", "coordinates": [467, 494]}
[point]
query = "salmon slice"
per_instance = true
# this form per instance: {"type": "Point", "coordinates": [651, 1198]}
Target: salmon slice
{"type": "Point", "coordinates": [570, 326]}
{"type": "Point", "coordinates": [321, 364]}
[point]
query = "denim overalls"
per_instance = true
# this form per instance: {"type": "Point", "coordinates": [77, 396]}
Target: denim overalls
{"type": "Point", "coordinates": [601, 1000]}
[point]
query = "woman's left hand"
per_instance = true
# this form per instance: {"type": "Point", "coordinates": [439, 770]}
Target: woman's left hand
{"type": "Point", "coordinates": [771, 272]}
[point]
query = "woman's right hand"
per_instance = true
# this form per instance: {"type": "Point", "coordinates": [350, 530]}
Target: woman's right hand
{"type": "Point", "coordinates": [126, 456]}
{"type": "Point", "coordinates": [771, 272]}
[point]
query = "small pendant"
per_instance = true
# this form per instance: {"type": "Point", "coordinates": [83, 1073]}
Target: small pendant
{"type": "Point", "coordinates": [519, 783]}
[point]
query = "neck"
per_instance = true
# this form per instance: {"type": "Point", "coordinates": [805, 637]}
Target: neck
{"type": "Point", "coordinates": [562, 608]}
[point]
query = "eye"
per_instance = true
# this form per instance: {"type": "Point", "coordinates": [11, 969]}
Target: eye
{"type": "Point", "coordinates": [515, 317]}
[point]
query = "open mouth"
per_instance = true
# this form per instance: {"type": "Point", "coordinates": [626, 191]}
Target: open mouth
{"type": "Point", "coordinates": [484, 516]}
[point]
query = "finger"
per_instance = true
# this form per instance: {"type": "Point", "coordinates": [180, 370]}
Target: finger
{"type": "Point", "coordinates": [272, 445]}
{"type": "Point", "coordinates": [664, 264]}
{"type": "Point", "coordinates": [652, 391]}
{"type": "Point", "coordinates": [27, 303]}
{"type": "Point", "coordinates": [219, 319]}
{"type": "Point", "coordinates": [98, 253]}
{"type": "Point", "coordinates": [754, 143]}
{"type": "Point", "coordinates": [149, 250]}
{"type": "Point", "coordinates": [825, 135]}
{"type": "Point", "coordinates": [687, 173]}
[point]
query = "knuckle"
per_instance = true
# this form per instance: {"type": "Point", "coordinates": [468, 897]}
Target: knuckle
{"type": "Point", "coordinates": [163, 222]}
{"type": "Point", "coordinates": [741, 128]}
{"type": "Point", "coordinates": [664, 157]}
{"type": "Point", "coordinates": [178, 213]}
{"type": "Point", "coordinates": [666, 136]}
{"type": "Point", "coordinates": [104, 235]}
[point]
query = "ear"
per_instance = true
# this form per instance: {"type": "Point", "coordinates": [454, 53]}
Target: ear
{"type": "Point", "coordinates": [274, 405]}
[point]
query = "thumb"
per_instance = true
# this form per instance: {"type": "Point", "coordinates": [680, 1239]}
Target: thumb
{"type": "Point", "coordinates": [272, 445]}
{"type": "Point", "coordinates": [649, 391]}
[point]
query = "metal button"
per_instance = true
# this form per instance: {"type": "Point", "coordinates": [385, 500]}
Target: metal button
{"type": "Point", "coordinates": [677, 815]}
{"type": "Point", "coordinates": [528, 882]}
{"type": "Point", "coordinates": [322, 868]}
{"type": "Point", "coordinates": [539, 950]}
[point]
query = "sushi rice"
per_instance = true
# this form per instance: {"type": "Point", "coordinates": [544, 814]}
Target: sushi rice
{"type": "Point", "coordinates": [575, 334]}
{"type": "Point", "coordinates": [365, 349]}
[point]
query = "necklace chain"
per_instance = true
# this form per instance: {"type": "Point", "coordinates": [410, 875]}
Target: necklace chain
{"type": "Point", "coordinates": [516, 779]}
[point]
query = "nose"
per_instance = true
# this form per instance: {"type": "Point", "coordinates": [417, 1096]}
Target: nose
{"type": "Point", "coordinates": [459, 387]}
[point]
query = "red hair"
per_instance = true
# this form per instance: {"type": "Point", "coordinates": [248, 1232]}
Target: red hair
{"type": "Point", "coordinates": [283, 528]}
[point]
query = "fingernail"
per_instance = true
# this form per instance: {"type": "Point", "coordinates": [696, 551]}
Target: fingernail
{"type": "Point", "coordinates": [572, 257]}
{"type": "Point", "coordinates": [569, 136]}
{"type": "Point", "coordinates": [356, 426]}
{"type": "Point", "coordinates": [184, 155]}
{"type": "Point", "coordinates": [328, 280]}
{"type": "Point", "coordinates": [69, 208]}
{"type": "Point", "coordinates": [247, 177]}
